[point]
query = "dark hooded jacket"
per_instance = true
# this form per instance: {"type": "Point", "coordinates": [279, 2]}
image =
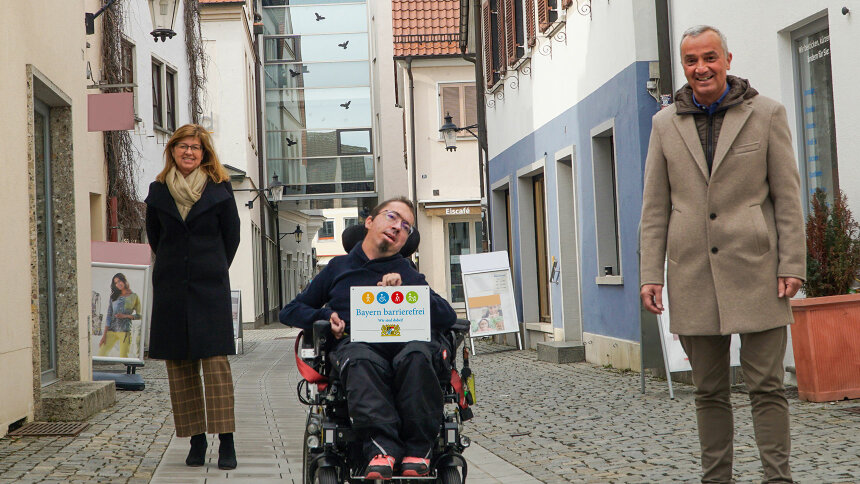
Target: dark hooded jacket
{"type": "Point", "coordinates": [709, 124]}
{"type": "Point", "coordinates": [329, 291]}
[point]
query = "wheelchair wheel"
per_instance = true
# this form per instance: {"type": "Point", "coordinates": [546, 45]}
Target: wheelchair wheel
{"type": "Point", "coordinates": [326, 475]}
{"type": "Point", "coordinates": [449, 475]}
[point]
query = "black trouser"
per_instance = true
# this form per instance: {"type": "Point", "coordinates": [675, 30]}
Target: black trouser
{"type": "Point", "coordinates": [393, 394]}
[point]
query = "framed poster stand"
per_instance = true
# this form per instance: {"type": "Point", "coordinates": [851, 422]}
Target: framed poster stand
{"type": "Point", "coordinates": [656, 336]}
{"type": "Point", "coordinates": [121, 302]}
{"type": "Point", "coordinates": [489, 292]}
{"type": "Point", "coordinates": [236, 306]}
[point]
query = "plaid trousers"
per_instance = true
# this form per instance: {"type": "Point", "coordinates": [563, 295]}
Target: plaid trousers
{"type": "Point", "coordinates": [192, 414]}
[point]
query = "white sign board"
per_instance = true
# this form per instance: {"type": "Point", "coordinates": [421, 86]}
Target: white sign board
{"type": "Point", "coordinates": [490, 303]}
{"type": "Point", "coordinates": [676, 358]}
{"type": "Point", "coordinates": [389, 314]}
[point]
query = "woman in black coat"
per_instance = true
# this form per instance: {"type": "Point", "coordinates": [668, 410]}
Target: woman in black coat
{"type": "Point", "coordinates": [193, 227]}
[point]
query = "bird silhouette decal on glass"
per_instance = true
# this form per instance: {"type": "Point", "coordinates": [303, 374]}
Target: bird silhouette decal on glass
{"type": "Point", "coordinates": [346, 104]}
{"type": "Point", "coordinates": [319, 17]}
{"type": "Point", "coordinates": [290, 141]}
{"type": "Point", "coordinates": [343, 45]}
{"type": "Point", "coordinates": [295, 73]}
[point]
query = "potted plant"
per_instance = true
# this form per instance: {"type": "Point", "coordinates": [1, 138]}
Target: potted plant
{"type": "Point", "coordinates": [826, 331]}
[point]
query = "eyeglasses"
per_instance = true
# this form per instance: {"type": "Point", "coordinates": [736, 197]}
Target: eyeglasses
{"type": "Point", "coordinates": [185, 147]}
{"type": "Point", "coordinates": [393, 218]}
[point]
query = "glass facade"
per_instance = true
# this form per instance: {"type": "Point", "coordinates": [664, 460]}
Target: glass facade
{"type": "Point", "coordinates": [817, 119]}
{"type": "Point", "coordinates": [318, 99]}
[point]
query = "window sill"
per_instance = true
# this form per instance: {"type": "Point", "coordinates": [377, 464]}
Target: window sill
{"type": "Point", "coordinates": [161, 130]}
{"type": "Point", "coordinates": [609, 280]}
{"type": "Point", "coordinates": [522, 61]}
{"type": "Point", "coordinates": [554, 27]}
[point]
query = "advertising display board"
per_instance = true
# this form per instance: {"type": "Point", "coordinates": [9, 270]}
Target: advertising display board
{"type": "Point", "coordinates": [236, 306]}
{"type": "Point", "coordinates": [490, 304]}
{"type": "Point", "coordinates": [120, 303]}
{"type": "Point", "coordinates": [389, 314]}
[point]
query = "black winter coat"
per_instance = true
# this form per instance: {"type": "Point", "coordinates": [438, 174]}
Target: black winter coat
{"type": "Point", "coordinates": [191, 313]}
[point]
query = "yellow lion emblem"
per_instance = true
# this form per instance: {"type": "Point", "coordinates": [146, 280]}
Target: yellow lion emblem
{"type": "Point", "coordinates": [390, 330]}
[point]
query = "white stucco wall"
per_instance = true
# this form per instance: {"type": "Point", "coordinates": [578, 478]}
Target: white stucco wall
{"type": "Point", "coordinates": [230, 114]}
{"type": "Point", "coordinates": [760, 42]}
{"type": "Point", "coordinates": [564, 70]}
{"type": "Point", "coordinates": [230, 96]}
{"type": "Point", "coordinates": [49, 36]}
{"type": "Point", "coordinates": [332, 247]}
{"type": "Point", "coordinates": [148, 140]}
{"type": "Point", "coordinates": [392, 179]}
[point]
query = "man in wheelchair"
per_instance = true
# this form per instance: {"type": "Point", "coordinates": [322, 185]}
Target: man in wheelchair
{"type": "Point", "coordinates": [393, 394]}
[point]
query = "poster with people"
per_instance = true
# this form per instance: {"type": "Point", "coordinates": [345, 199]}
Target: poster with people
{"type": "Point", "coordinates": [119, 312]}
{"type": "Point", "coordinates": [490, 303]}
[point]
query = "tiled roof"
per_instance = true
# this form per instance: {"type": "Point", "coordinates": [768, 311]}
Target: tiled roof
{"type": "Point", "coordinates": [426, 27]}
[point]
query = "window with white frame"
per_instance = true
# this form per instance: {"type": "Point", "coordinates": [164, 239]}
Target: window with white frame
{"type": "Point", "coordinates": [349, 222]}
{"type": "Point", "coordinates": [327, 230]}
{"type": "Point", "coordinates": [157, 98]}
{"type": "Point", "coordinates": [164, 87]}
{"type": "Point", "coordinates": [606, 199]}
{"type": "Point", "coordinates": [458, 100]}
{"type": "Point", "coordinates": [816, 119]}
{"type": "Point", "coordinates": [127, 70]}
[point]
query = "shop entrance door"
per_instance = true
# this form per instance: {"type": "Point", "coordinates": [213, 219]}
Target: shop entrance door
{"type": "Point", "coordinates": [463, 238]}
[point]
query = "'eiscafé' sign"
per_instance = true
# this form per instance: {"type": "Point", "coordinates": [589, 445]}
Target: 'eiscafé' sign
{"type": "Point", "coordinates": [467, 210]}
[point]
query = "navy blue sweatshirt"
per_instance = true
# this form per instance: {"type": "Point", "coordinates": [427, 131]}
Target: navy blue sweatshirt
{"type": "Point", "coordinates": [329, 291]}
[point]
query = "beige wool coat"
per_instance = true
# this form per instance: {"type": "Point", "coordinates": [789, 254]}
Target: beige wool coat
{"type": "Point", "coordinates": [729, 234]}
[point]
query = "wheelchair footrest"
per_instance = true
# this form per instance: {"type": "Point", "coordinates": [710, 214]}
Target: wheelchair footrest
{"type": "Point", "coordinates": [429, 477]}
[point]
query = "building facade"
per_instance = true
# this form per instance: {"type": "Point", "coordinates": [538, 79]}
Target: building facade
{"type": "Point", "coordinates": [569, 93]}
{"type": "Point", "coordinates": [434, 80]}
{"type": "Point", "coordinates": [54, 196]}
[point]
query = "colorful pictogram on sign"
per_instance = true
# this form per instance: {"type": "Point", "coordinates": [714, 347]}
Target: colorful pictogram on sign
{"type": "Point", "coordinates": [367, 297]}
{"type": "Point", "coordinates": [382, 297]}
{"type": "Point", "coordinates": [412, 297]}
{"type": "Point", "coordinates": [397, 297]}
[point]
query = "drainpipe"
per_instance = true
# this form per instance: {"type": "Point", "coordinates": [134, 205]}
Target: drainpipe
{"type": "Point", "coordinates": [664, 47]}
{"type": "Point", "coordinates": [412, 133]}
{"type": "Point", "coordinates": [261, 174]}
{"type": "Point", "coordinates": [483, 157]}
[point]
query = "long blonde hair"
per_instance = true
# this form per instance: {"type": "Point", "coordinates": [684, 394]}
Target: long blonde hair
{"type": "Point", "coordinates": [210, 164]}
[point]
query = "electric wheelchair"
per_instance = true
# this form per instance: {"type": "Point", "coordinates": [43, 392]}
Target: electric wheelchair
{"type": "Point", "coordinates": [332, 449]}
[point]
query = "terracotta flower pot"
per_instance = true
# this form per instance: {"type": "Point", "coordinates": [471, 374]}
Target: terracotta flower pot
{"type": "Point", "coordinates": [826, 341]}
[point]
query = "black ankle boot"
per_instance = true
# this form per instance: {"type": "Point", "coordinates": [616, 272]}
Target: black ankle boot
{"type": "Point", "coordinates": [226, 452]}
{"type": "Point", "coordinates": [197, 454]}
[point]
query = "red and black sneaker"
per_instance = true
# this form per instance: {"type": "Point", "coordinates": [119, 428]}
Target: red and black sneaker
{"type": "Point", "coordinates": [414, 467]}
{"type": "Point", "coordinates": [380, 467]}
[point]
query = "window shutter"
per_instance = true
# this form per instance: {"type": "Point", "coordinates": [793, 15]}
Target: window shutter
{"type": "Point", "coordinates": [471, 106]}
{"type": "Point", "coordinates": [488, 43]}
{"type": "Point", "coordinates": [451, 104]}
{"type": "Point", "coordinates": [543, 15]}
{"type": "Point", "coordinates": [501, 57]}
{"type": "Point", "coordinates": [531, 37]}
{"type": "Point", "coordinates": [510, 32]}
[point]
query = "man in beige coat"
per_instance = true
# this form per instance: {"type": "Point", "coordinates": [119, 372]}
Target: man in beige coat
{"type": "Point", "coordinates": [722, 203]}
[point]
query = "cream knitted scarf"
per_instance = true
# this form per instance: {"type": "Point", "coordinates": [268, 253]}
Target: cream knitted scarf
{"type": "Point", "coordinates": [185, 190]}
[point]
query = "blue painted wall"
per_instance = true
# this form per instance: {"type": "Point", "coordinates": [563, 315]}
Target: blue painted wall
{"type": "Point", "coordinates": [606, 310]}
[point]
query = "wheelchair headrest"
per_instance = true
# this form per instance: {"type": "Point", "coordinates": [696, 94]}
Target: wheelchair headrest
{"type": "Point", "coordinates": [355, 234]}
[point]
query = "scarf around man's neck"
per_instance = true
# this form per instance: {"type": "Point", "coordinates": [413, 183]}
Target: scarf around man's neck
{"type": "Point", "coordinates": [186, 190]}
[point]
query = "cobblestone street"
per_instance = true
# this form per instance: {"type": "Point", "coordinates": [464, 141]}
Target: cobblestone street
{"type": "Point", "coordinates": [558, 423]}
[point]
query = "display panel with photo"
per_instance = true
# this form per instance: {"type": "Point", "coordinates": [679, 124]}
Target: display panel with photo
{"type": "Point", "coordinates": [120, 303]}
